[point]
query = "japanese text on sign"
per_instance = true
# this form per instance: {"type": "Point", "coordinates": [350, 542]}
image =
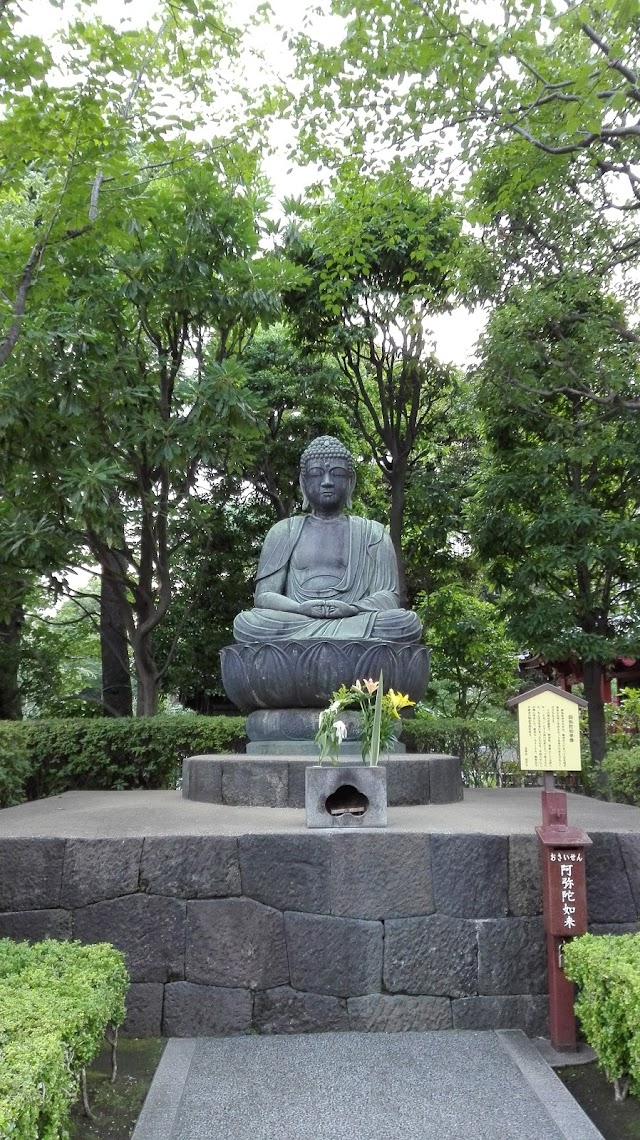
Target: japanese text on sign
{"type": "Point", "coordinates": [549, 732]}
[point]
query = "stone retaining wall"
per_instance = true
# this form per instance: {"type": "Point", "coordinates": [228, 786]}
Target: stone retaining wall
{"type": "Point", "coordinates": [292, 933]}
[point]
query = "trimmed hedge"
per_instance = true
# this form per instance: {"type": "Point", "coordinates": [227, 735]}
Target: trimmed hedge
{"type": "Point", "coordinates": [622, 766]}
{"type": "Point", "coordinates": [46, 757]}
{"type": "Point", "coordinates": [56, 1000]}
{"type": "Point", "coordinates": [606, 968]}
{"type": "Point", "coordinates": [15, 766]}
{"type": "Point", "coordinates": [482, 743]}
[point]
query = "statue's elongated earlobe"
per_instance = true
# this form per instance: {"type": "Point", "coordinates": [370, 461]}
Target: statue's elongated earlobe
{"type": "Point", "coordinates": [305, 501]}
{"type": "Point", "coordinates": [352, 487]}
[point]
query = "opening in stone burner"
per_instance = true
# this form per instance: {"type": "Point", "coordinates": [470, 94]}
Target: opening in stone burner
{"type": "Point", "coordinates": [346, 800]}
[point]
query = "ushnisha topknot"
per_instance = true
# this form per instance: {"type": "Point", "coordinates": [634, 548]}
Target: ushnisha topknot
{"type": "Point", "coordinates": [326, 447]}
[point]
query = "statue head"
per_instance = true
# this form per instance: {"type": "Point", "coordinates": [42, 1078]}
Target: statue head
{"type": "Point", "coordinates": [327, 474]}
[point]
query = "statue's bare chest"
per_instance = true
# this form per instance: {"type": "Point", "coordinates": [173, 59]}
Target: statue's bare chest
{"type": "Point", "coordinates": [323, 548]}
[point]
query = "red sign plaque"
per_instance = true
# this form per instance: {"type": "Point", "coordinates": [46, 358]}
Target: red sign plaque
{"type": "Point", "coordinates": [565, 891]}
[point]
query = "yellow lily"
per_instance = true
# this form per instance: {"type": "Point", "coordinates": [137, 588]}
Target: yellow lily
{"type": "Point", "coordinates": [399, 700]}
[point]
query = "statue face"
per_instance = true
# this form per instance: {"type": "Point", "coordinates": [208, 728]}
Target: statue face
{"type": "Point", "coordinates": [327, 484]}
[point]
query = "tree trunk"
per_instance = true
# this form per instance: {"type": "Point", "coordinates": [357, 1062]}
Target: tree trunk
{"type": "Point", "coordinates": [396, 518]}
{"type": "Point", "coordinates": [10, 634]}
{"type": "Point", "coordinates": [592, 672]}
{"type": "Point", "coordinates": [117, 697]}
{"type": "Point", "coordinates": [148, 678]}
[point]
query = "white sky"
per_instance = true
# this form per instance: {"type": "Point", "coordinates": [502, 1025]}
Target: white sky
{"type": "Point", "coordinates": [454, 334]}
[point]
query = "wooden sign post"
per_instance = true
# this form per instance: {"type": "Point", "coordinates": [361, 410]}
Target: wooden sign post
{"type": "Point", "coordinates": [549, 741]}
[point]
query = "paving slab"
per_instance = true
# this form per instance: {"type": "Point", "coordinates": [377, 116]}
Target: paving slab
{"type": "Point", "coordinates": [333, 1086]}
{"type": "Point", "coordinates": [488, 811]}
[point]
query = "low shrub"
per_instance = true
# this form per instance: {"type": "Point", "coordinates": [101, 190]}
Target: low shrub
{"type": "Point", "coordinates": [56, 1001]}
{"type": "Point", "coordinates": [622, 766]}
{"type": "Point", "coordinates": [130, 752]}
{"type": "Point", "coordinates": [15, 767]}
{"type": "Point", "coordinates": [486, 745]}
{"type": "Point", "coordinates": [606, 969]}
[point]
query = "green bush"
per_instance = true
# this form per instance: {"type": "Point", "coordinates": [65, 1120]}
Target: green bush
{"type": "Point", "coordinates": [15, 767]}
{"type": "Point", "coordinates": [606, 969]}
{"type": "Point", "coordinates": [482, 743]}
{"type": "Point", "coordinates": [56, 1000]}
{"type": "Point", "coordinates": [144, 752]}
{"type": "Point", "coordinates": [622, 766]}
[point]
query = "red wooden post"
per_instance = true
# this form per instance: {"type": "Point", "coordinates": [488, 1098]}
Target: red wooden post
{"type": "Point", "coordinates": [564, 894]}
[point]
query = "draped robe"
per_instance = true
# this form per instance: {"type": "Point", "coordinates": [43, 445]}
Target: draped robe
{"type": "Point", "coordinates": [370, 580]}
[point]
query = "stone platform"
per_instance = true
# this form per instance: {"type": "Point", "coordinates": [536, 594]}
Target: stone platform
{"type": "Point", "coordinates": [278, 781]}
{"type": "Point", "coordinates": [239, 919]}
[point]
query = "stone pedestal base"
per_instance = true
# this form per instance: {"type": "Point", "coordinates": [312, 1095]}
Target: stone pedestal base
{"type": "Point", "coordinates": [278, 781]}
{"type": "Point", "coordinates": [348, 749]}
{"type": "Point", "coordinates": [291, 732]}
{"type": "Point", "coordinates": [304, 674]}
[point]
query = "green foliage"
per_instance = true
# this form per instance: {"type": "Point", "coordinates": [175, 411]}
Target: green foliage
{"type": "Point", "coordinates": [15, 763]}
{"type": "Point", "coordinates": [472, 657]}
{"type": "Point", "coordinates": [606, 969]}
{"type": "Point", "coordinates": [485, 744]}
{"type": "Point", "coordinates": [119, 753]}
{"type": "Point", "coordinates": [622, 767]}
{"type": "Point", "coordinates": [60, 671]}
{"type": "Point", "coordinates": [56, 1000]}
{"type": "Point", "coordinates": [536, 100]}
{"type": "Point", "coordinates": [375, 260]}
{"type": "Point", "coordinates": [557, 509]}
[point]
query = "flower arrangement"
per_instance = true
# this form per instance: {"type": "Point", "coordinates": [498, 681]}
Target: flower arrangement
{"type": "Point", "coordinates": [380, 711]}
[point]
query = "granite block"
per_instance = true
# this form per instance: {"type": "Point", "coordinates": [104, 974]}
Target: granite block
{"type": "Point", "coordinates": [30, 873]}
{"type": "Point", "coordinates": [398, 1013]}
{"type": "Point", "coordinates": [247, 783]}
{"type": "Point", "coordinates": [470, 875]}
{"type": "Point", "coordinates": [144, 1010]}
{"type": "Point", "coordinates": [435, 955]}
{"type": "Point", "coordinates": [235, 943]}
{"type": "Point", "coordinates": [380, 876]}
{"type": "Point", "coordinates": [407, 781]}
{"type": "Point", "coordinates": [205, 1011]}
{"type": "Point", "coordinates": [530, 1014]}
{"type": "Point", "coordinates": [295, 796]}
{"type": "Point", "coordinates": [34, 925]}
{"type": "Point", "coordinates": [288, 872]}
{"type": "Point", "coordinates": [202, 779]}
{"type": "Point", "coordinates": [285, 1010]}
{"type": "Point", "coordinates": [512, 956]}
{"type": "Point", "coordinates": [614, 928]}
{"type": "Point", "coordinates": [445, 780]}
{"type": "Point", "coordinates": [98, 869]}
{"type": "Point", "coordinates": [609, 894]}
{"type": "Point", "coordinates": [191, 866]}
{"type": "Point", "coordinates": [525, 878]}
{"type": "Point", "coordinates": [630, 851]}
{"type": "Point", "coordinates": [339, 956]}
{"type": "Point", "coordinates": [147, 928]}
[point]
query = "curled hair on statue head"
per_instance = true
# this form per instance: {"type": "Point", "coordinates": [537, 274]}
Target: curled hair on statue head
{"type": "Point", "coordinates": [322, 448]}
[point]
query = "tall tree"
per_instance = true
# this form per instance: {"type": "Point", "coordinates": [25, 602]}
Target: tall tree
{"type": "Point", "coordinates": [379, 258]}
{"type": "Point", "coordinates": [138, 385]}
{"type": "Point", "coordinates": [557, 517]}
{"type": "Point", "coordinates": [74, 119]}
{"type": "Point", "coordinates": [560, 79]}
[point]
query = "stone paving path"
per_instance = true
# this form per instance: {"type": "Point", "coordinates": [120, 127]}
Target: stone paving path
{"type": "Point", "coordinates": [360, 1086]}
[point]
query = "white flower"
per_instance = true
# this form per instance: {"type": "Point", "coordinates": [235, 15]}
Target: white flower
{"type": "Point", "coordinates": [341, 730]}
{"type": "Point", "coordinates": [334, 707]}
